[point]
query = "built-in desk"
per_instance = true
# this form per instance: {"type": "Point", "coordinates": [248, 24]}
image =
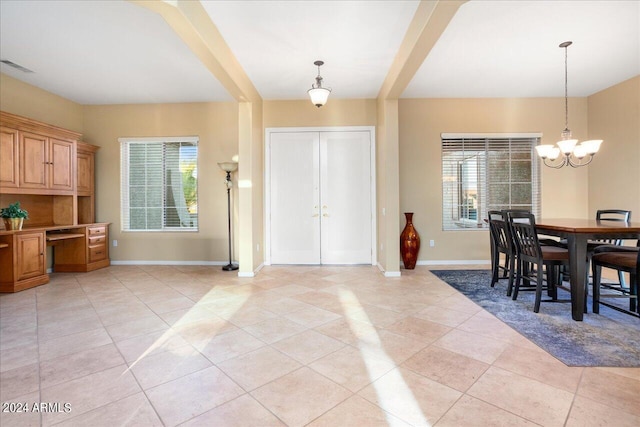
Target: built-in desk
{"type": "Point", "coordinates": [75, 248]}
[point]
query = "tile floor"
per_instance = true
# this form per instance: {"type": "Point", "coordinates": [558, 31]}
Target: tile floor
{"type": "Point", "coordinates": [296, 346]}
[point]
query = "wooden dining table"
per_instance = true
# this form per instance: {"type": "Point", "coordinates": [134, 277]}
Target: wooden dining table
{"type": "Point", "coordinates": [578, 232]}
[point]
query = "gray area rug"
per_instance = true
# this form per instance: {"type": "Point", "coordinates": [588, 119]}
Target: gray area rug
{"type": "Point", "coordinates": [609, 338]}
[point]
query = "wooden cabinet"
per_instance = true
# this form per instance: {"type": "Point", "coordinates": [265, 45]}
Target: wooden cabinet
{"type": "Point", "coordinates": [51, 173]}
{"type": "Point", "coordinates": [45, 163]}
{"type": "Point", "coordinates": [37, 158]}
{"type": "Point", "coordinates": [8, 157]}
{"type": "Point", "coordinates": [22, 261]}
{"type": "Point", "coordinates": [87, 252]}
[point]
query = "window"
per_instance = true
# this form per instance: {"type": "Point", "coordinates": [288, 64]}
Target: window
{"type": "Point", "coordinates": [487, 172]}
{"type": "Point", "coordinates": [159, 181]}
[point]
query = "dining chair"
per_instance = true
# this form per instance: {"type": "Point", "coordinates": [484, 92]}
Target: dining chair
{"type": "Point", "coordinates": [621, 258]}
{"type": "Point", "coordinates": [541, 257]}
{"type": "Point", "coordinates": [618, 215]}
{"type": "Point", "coordinates": [501, 243]}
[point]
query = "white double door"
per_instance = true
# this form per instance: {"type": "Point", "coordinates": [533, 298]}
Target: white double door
{"type": "Point", "coordinates": [320, 197]}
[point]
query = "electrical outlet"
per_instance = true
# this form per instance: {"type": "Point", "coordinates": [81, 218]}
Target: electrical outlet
{"type": "Point", "coordinates": [115, 243]}
{"type": "Point", "coordinates": [432, 243]}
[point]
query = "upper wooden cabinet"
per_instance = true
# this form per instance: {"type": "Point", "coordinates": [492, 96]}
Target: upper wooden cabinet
{"type": "Point", "coordinates": [42, 157]}
{"type": "Point", "coordinates": [85, 168]}
{"type": "Point", "coordinates": [8, 157]}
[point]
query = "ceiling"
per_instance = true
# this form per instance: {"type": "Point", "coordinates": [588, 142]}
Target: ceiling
{"type": "Point", "coordinates": [116, 52]}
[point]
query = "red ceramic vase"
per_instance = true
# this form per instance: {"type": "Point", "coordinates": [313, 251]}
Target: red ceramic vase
{"type": "Point", "coordinates": [409, 243]}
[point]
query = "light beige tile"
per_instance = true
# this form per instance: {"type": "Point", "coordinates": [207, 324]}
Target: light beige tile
{"type": "Point", "coordinates": [201, 332]}
{"type": "Point", "coordinates": [445, 316]}
{"type": "Point", "coordinates": [451, 369]}
{"type": "Point", "coordinates": [349, 331]}
{"type": "Point", "coordinates": [149, 344]}
{"type": "Point", "coordinates": [491, 327]}
{"type": "Point", "coordinates": [419, 329]}
{"type": "Point", "coordinates": [469, 411]}
{"type": "Point", "coordinates": [156, 369]}
{"type": "Point", "coordinates": [308, 346]}
{"type": "Point", "coordinates": [134, 328]}
{"type": "Point", "coordinates": [17, 357]}
{"type": "Point", "coordinates": [229, 345]}
{"type": "Point", "coordinates": [396, 347]}
{"type": "Point", "coordinates": [587, 412]}
{"type": "Point", "coordinates": [300, 397]}
{"type": "Point", "coordinates": [180, 400]}
{"type": "Point", "coordinates": [12, 338]}
{"type": "Point", "coordinates": [89, 392]}
{"type": "Point", "coordinates": [74, 343]}
{"type": "Point", "coordinates": [311, 317]}
{"type": "Point", "coordinates": [275, 329]}
{"type": "Point", "coordinates": [131, 411]}
{"type": "Point", "coordinates": [524, 397]}
{"type": "Point", "coordinates": [17, 414]}
{"type": "Point", "coordinates": [481, 348]}
{"type": "Point", "coordinates": [246, 316]}
{"type": "Point", "coordinates": [353, 368]}
{"type": "Point", "coordinates": [377, 316]}
{"type": "Point", "coordinates": [76, 365]}
{"type": "Point", "coordinates": [411, 397]}
{"type": "Point", "coordinates": [19, 381]}
{"type": "Point", "coordinates": [241, 412]}
{"type": "Point", "coordinates": [258, 367]}
{"type": "Point", "coordinates": [541, 366]}
{"type": "Point", "coordinates": [357, 411]}
{"type": "Point", "coordinates": [611, 389]}
{"type": "Point", "coordinates": [171, 304]}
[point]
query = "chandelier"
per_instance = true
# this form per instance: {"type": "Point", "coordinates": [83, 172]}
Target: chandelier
{"type": "Point", "coordinates": [568, 151]}
{"type": "Point", "coordinates": [318, 94]}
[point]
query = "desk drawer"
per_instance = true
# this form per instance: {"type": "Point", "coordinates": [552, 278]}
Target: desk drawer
{"type": "Point", "coordinates": [97, 253]}
{"type": "Point", "coordinates": [97, 240]}
{"type": "Point", "coordinates": [96, 231]}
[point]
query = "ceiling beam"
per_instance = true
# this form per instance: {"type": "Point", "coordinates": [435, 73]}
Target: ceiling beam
{"type": "Point", "coordinates": [428, 23]}
{"type": "Point", "coordinates": [192, 24]}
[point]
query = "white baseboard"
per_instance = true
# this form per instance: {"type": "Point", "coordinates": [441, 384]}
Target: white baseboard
{"type": "Point", "coordinates": [251, 273]}
{"type": "Point", "coordinates": [169, 262]}
{"type": "Point", "coordinates": [388, 273]}
{"type": "Point", "coordinates": [455, 262]}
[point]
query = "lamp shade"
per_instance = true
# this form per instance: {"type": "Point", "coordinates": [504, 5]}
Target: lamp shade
{"type": "Point", "coordinates": [319, 96]}
{"type": "Point", "coordinates": [228, 166]}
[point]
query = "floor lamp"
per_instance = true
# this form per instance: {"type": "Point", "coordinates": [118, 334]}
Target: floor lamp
{"type": "Point", "coordinates": [229, 167]}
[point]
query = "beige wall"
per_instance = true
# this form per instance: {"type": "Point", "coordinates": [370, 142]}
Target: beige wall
{"type": "Point", "coordinates": [213, 123]}
{"type": "Point", "coordinates": [614, 175]}
{"type": "Point", "coordinates": [337, 112]}
{"type": "Point", "coordinates": [564, 191]}
{"type": "Point", "coordinates": [29, 101]}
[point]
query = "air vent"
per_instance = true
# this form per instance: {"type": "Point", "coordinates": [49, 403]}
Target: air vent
{"type": "Point", "coordinates": [16, 66]}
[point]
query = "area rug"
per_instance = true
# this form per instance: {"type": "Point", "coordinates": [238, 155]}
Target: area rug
{"type": "Point", "coordinates": [609, 338]}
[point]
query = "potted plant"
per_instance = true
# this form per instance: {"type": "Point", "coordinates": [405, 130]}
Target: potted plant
{"type": "Point", "coordinates": [13, 216]}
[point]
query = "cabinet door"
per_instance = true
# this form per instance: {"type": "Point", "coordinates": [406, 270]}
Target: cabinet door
{"type": "Point", "coordinates": [30, 255]}
{"type": "Point", "coordinates": [85, 173]}
{"type": "Point", "coordinates": [8, 158]}
{"type": "Point", "coordinates": [33, 151]}
{"type": "Point", "coordinates": [61, 165]}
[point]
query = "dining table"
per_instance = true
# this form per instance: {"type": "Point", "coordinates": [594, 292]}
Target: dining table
{"type": "Point", "coordinates": [578, 232]}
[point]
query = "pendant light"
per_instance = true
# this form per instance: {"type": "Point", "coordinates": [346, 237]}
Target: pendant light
{"type": "Point", "coordinates": [569, 152]}
{"type": "Point", "coordinates": [318, 94]}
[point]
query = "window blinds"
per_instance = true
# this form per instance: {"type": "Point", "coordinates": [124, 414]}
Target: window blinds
{"type": "Point", "coordinates": [487, 172]}
{"type": "Point", "coordinates": [159, 184]}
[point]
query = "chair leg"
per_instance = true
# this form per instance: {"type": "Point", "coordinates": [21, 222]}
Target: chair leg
{"type": "Point", "coordinates": [597, 271]}
{"type": "Point", "coordinates": [536, 306]}
{"type": "Point", "coordinates": [633, 289]}
{"type": "Point", "coordinates": [495, 262]}
{"type": "Point", "coordinates": [512, 268]}
{"type": "Point", "coordinates": [621, 279]}
{"type": "Point", "coordinates": [516, 287]}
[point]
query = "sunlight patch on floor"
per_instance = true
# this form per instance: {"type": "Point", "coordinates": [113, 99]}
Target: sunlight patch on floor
{"type": "Point", "coordinates": [371, 348]}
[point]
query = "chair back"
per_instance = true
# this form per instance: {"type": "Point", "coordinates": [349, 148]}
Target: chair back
{"type": "Point", "coordinates": [498, 230]}
{"type": "Point", "coordinates": [619, 215]}
{"type": "Point", "coordinates": [524, 235]}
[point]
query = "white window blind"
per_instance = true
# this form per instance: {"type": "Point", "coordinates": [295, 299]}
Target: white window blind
{"type": "Point", "coordinates": [159, 178]}
{"type": "Point", "coordinates": [487, 172]}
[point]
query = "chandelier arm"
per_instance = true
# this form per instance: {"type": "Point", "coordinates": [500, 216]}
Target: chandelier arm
{"type": "Point", "coordinates": [551, 165]}
{"type": "Point", "coordinates": [578, 164]}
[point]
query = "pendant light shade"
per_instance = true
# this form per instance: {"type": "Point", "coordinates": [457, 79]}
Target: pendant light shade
{"type": "Point", "coordinates": [318, 94]}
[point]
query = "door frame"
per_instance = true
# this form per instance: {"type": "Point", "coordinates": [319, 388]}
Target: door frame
{"type": "Point", "coordinates": [267, 180]}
